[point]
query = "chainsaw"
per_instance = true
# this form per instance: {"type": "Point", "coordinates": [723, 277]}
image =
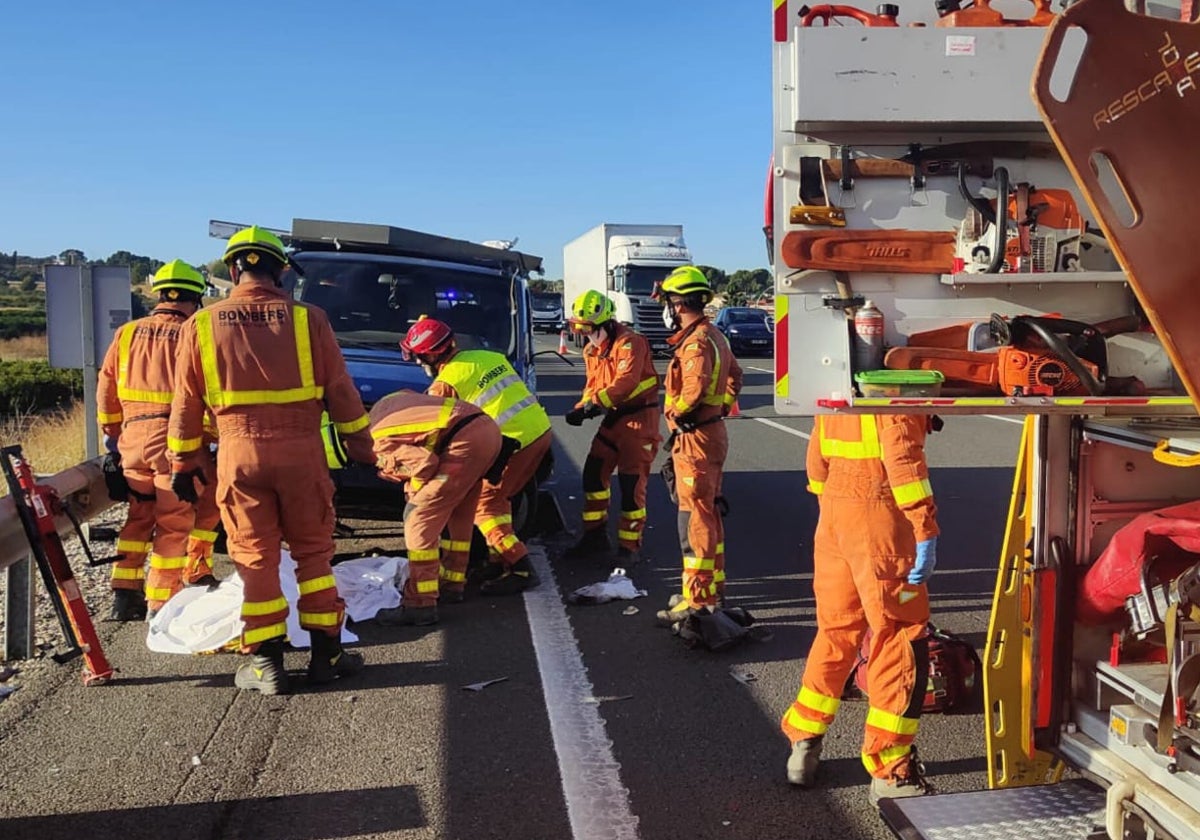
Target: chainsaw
{"type": "Point", "coordinates": [1035, 356]}
{"type": "Point", "coordinates": [1029, 230]}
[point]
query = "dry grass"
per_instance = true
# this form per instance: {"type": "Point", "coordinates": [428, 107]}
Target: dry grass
{"type": "Point", "coordinates": [51, 442]}
{"type": "Point", "coordinates": [25, 348]}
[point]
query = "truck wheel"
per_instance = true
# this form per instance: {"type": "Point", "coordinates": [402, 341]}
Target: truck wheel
{"type": "Point", "coordinates": [524, 506]}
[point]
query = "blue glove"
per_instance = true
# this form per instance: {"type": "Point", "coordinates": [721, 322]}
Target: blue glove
{"type": "Point", "coordinates": [926, 562]}
{"type": "Point", "coordinates": [110, 443]}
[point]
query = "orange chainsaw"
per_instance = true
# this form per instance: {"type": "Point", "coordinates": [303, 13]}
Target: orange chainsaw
{"type": "Point", "coordinates": [1036, 356]}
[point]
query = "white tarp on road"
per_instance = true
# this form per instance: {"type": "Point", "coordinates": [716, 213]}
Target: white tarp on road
{"type": "Point", "coordinates": [198, 619]}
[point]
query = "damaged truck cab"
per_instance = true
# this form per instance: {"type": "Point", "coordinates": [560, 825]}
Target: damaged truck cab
{"type": "Point", "coordinates": [1010, 196]}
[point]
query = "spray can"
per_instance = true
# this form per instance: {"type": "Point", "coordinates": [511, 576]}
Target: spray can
{"type": "Point", "coordinates": [868, 338]}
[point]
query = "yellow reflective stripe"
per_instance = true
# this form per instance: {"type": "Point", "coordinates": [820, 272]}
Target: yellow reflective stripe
{"type": "Point", "coordinates": [271, 631]}
{"type": "Point", "coordinates": [215, 396]}
{"type": "Point", "coordinates": [509, 541]}
{"type": "Point", "coordinates": [183, 445]}
{"type": "Point", "coordinates": [875, 763]}
{"type": "Point", "coordinates": [135, 395]}
{"type": "Point", "coordinates": [264, 607]}
{"type": "Point", "coordinates": [816, 487]}
{"type": "Point", "coordinates": [308, 587]}
{"type": "Point", "coordinates": [203, 536]}
{"type": "Point", "coordinates": [119, 573]}
{"type": "Point", "coordinates": [134, 546]}
{"type": "Point", "coordinates": [822, 703]}
{"type": "Point", "coordinates": [889, 722]}
{"type": "Point", "coordinates": [456, 545]}
{"type": "Point", "coordinates": [157, 562]}
{"type": "Point", "coordinates": [417, 428]}
{"type": "Point", "coordinates": [721, 547]}
{"type": "Point", "coordinates": [711, 393]}
{"type": "Point", "coordinates": [454, 577]}
{"type": "Point", "coordinates": [728, 399]}
{"type": "Point", "coordinates": [640, 513]}
{"type": "Point", "coordinates": [426, 586]}
{"type": "Point", "coordinates": [629, 535]}
{"type": "Point", "coordinates": [353, 426]}
{"type": "Point", "coordinates": [642, 387]}
{"type": "Point", "coordinates": [719, 576]}
{"type": "Point", "coordinates": [423, 555]}
{"type": "Point", "coordinates": [320, 619]}
{"type": "Point", "coordinates": [866, 449]}
{"type": "Point", "coordinates": [698, 564]}
{"type": "Point", "coordinates": [605, 399]}
{"type": "Point", "coordinates": [106, 418]}
{"type": "Point", "coordinates": [495, 522]}
{"type": "Point", "coordinates": [797, 721]}
{"type": "Point", "coordinates": [599, 494]}
{"type": "Point", "coordinates": [914, 491]}
{"type": "Point", "coordinates": [153, 594]}
{"type": "Point", "coordinates": [594, 515]}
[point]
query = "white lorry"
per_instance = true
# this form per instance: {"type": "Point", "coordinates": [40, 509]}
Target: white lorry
{"type": "Point", "coordinates": [1029, 257]}
{"type": "Point", "coordinates": [626, 262]}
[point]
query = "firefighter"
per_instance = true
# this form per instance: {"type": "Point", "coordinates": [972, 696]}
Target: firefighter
{"type": "Point", "coordinates": [486, 379]}
{"type": "Point", "coordinates": [623, 386]}
{"type": "Point", "coordinates": [136, 383]}
{"type": "Point", "coordinates": [266, 366]}
{"type": "Point", "coordinates": [874, 550]}
{"type": "Point", "coordinates": [441, 448]}
{"type": "Point", "coordinates": [702, 383]}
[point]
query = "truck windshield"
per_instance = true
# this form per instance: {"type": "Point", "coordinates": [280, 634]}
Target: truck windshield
{"type": "Point", "coordinates": [547, 303]}
{"type": "Point", "coordinates": [371, 302]}
{"type": "Point", "coordinates": [641, 279]}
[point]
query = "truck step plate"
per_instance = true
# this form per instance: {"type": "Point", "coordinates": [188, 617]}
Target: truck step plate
{"type": "Point", "coordinates": [1071, 810]}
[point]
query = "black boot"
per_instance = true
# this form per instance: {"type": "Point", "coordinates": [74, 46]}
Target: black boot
{"type": "Point", "coordinates": [264, 672]}
{"type": "Point", "coordinates": [593, 544]}
{"type": "Point", "coordinates": [128, 605]}
{"type": "Point", "coordinates": [516, 579]}
{"type": "Point", "coordinates": [329, 662]}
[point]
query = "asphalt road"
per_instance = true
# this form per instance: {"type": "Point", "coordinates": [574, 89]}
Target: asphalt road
{"type": "Point", "coordinates": [603, 726]}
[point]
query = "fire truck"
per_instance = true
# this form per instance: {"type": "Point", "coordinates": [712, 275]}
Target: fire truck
{"type": "Point", "coordinates": [973, 212]}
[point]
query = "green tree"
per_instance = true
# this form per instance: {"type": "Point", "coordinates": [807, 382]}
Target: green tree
{"type": "Point", "coordinates": [72, 256]}
{"type": "Point", "coordinates": [716, 277]}
{"type": "Point", "coordinates": [218, 269]}
{"type": "Point", "coordinates": [546, 286]}
{"type": "Point", "coordinates": [29, 284]}
{"type": "Point", "coordinates": [747, 285]}
{"type": "Point", "coordinates": [140, 267]}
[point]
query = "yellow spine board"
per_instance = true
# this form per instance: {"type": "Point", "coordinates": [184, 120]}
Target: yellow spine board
{"type": "Point", "coordinates": [1008, 665]}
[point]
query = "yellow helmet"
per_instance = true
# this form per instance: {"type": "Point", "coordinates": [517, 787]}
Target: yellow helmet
{"type": "Point", "coordinates": [686, 280]}
{"type": "Point", "coordinates": [249, 243]}
{"type": "Point", "coordinates": [590, 310]}
{"type": "Point", "coordinates": [178, 275]}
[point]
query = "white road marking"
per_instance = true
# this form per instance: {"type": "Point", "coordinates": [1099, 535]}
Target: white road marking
{"type": "Point", "coordinates": [761, 370]}
{"type": "Point", "coordinates": [783, 428]}
{"type": "Point", "coordinates": [597, 800]}
{"type": "Point", "coordinates": [1020, 420]}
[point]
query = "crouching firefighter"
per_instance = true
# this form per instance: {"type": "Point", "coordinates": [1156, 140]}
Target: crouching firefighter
{"type": "Point", "coordinates": [486, 379]}
{"type": "Point", "coordinates": [621, 385]}
{"type": "Point", "coordinates": [442, 448]}
{"type": "Point", "coordinates": [703, 381]}
{"type": "Point", "coordinates": [266, 367]}
{"type": "Point", "coordinates": [874, 550]}
{"type": "Point", "coordinates": [133, 396]}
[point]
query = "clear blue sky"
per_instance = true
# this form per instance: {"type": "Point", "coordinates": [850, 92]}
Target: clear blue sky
{"type": "Point", "coordinates": [130, 124]}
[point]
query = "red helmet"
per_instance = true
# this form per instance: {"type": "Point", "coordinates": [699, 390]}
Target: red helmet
{"type": "Point", "coordinates": [427, 337]}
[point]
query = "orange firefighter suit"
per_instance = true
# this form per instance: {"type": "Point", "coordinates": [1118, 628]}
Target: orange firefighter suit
{"type": "Point", "coordinates": [622, 379]}
{"type": "Point", "coordinates": [703, 381]}
{"type": "Point", "coordinates": [870, 476]}
{"type": "Point", "coordinates": [266, 366]}
{"type": "Point", "coordinates": [133, 398]}
{"type": "Point", "coordinates": [441, 447]}
{"type": "Point", "coordinates": [486, 379]}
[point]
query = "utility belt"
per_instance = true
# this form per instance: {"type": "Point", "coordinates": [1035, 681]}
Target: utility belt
{"type": "Point", "coordinates": [160, 416]}
{"type": "Point", "coordinates": [508, 447]}
{"type": "Point", "coordinates": [612, 416]}
{"type": "Point", "coordinates": [670, 444]}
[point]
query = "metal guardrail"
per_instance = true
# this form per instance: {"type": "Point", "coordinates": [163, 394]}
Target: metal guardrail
{"type": "Point", "coordinates": [82, 491]}
{"type": "Point", "coordinates": [85, 495]}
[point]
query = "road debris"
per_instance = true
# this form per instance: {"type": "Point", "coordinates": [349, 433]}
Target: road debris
{"type": "Point", "coordinates": [744, 677]}
{"type": "Point", "coordinates": [480, 686]}
{"type": "Point", "coordinates": [630, 610]}
{"type": "Point", "coordinates": [610, 698]}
